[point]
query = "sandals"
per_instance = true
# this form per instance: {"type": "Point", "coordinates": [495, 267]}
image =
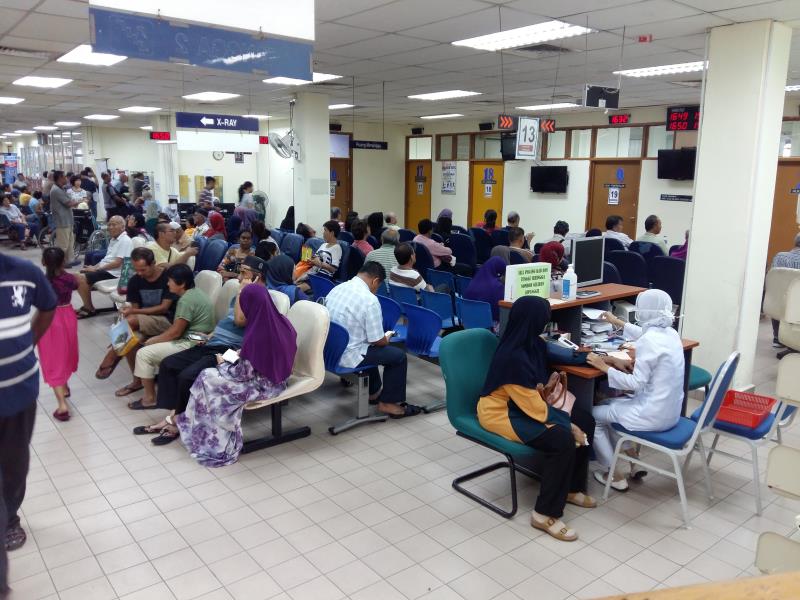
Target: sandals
{"type": "Point", "coordinates": [165, 437]}
{"type": "Point", "coordinates": [582, 500]}
{"type": "Point", "coordinates": [147, 430]}
{"type": "Point", "coordinates": [61, 416]}
{"type": "Point", "coordinates": [128, 389]}
{"type": "Point", "coordinates": [137, 405]}
{"type": "Point", "coordinates": [104, 371]}
{"type": "Point", "coordinates": [409, 410]}
{"type": "Point", "coordinates": [85, 313]}
{"type": "Point", "coordinates": [553, 527]}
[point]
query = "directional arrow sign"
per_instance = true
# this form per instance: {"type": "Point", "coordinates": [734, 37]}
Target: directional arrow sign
{"type": "Point", "coordinates": [548, 125]}
{"type": "Point", "coordinates": [213, 121]}
{"type": "Point", "coordinates": [507, 122]}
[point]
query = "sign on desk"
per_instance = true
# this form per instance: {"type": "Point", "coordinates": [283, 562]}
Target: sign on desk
{"type": "Point", "coordinates": [532, 279]}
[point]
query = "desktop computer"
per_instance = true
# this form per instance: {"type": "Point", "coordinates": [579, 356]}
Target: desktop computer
{"type": "Point", "coordinates": [587, 260]}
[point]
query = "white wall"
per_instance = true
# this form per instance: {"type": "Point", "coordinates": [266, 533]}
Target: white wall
{"type": "Point", "coordinates": [194, 163]}
{"type": "Point", "coordinates": [676, 217]}
{"type": "Point", "coordinates": [378, 175]}
{"type": "Point", "coordinates": [128, 149]}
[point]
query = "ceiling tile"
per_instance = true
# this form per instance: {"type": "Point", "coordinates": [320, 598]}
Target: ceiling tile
{"type": "Point", "coordinates": [51, 27]}
{"type": "Point", "coordinates": [405, 14]}
{"type": "Point", "coordinates": [64, 8]}
{"type": "Point", "coordinates": [381, 46]}
{"type": "Point", "coordinates": [714, 5]}
{"type": "Point", "coordinates": [474, 24]}
{"type": "Point", "coordinates": [649, 11]}
{"type": "Point", "coordinates": [782, 10]}
{"type": "Point", "coordinates": [562, 8]}
{"type": "Point", "coordinates": [330, 35]}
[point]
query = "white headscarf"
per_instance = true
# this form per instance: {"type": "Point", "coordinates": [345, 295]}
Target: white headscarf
{"type": "Point", "coordinates": [654, 309]}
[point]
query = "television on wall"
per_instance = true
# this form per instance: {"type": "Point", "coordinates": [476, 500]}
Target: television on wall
{"type": "Point", "coordinates": [551, 180]}
{"type": "Point", "coordinates": [508, 146]}
{"type": "Point", "coordinates": [677, 164]}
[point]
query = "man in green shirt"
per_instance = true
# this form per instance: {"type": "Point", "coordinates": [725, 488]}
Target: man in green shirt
{"type": "Point", "coordinates": [194, 320]}
{"type": "Point", "coordinates": [652, 225]}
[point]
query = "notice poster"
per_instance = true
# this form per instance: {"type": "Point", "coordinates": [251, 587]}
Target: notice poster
{"type": "Point", "coordinates": [333, 189]}
{"type": "Point", "coordinates": [613, 196]}
{"type": "Point", "coordinates": [449, 177]}
{"type": "Point", "coordinates": [527, 280]}
{"type": "Point", "coordinates": [10, 167]}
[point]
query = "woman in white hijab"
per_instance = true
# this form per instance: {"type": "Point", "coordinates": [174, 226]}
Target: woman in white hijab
{"type": "Point", "coordinates": [654, 382]}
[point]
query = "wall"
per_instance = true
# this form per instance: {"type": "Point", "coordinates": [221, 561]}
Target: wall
{"type": "Point", "coordinates": [378, 175]}
{"type": "Point", "coordinates": [128, 149]}
{"type": "Point", "coordinates": [193, 163]}
{"type": "Point", "coordinates": [676, 217]}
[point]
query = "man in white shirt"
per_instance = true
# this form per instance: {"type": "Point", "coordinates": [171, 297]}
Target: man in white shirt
{"type": "Point", "coordinates": [391, 221]}
{"type": "Point", "coordinates": [614, 230]}
{"type": "Point", "coordinates": [354, 306]}
{"type": "Point", "coordinates": [404, 274]}
{"type": "Point", "coordinates": [652, 226]}
{"type": "Point", "coordinates": [109, 267]}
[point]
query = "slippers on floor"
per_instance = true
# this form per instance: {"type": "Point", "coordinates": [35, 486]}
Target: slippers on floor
{"type": "Point", "coordinates": [137, 405]}
{"type": "Point", "coordinates": [85, 313]}
{"type": "Point", "coordinates": [165, 437]}
{"type": "Point", "coordinates": [409, 410]}
{"type": "Point", "coordinates": [105, 371]}
{"type": "Point", "coordinates": [128, 389]}
{"type": "Point", "coordinates": [61, 416]}
{"type": "Point", "coordinates": [147, 430]}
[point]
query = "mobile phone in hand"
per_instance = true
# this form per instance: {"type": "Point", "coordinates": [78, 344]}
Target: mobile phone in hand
{"type": "Point", "coordinates": [230, 356]}
{"type": "Point", "coordinates": [390, 334]}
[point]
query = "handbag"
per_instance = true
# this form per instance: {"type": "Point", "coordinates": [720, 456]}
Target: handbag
{"type": "Point", "coordinates": [561, 355]}
{"type": "Point", "coordinates": [556, 394]}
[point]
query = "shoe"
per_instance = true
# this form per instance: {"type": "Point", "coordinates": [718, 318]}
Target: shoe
{"type": "Point", "coordinates": [621, 485]}
{"type": "Point", "coordinates": [73, 264]}
{"type": "Point", "coordinates": [15, 537]}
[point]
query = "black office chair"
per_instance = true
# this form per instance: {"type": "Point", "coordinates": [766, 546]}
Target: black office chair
{"type": "Point", "coordinates": [463, 248]}
{"type": "Point", "coordinates": [610, 273]}
{"type": "Point", "coordinates": [631, 266]}
{"type": "Point", "coordinates": [346, 236]}
{"type": "Point", "coordinates": [612, 244]}
{"type": "Point", "coordinates": [500, 237]}
{"type": "Point", "coordinates": [483, 244]}
{"type": "Point", "coordinates": [649, 251]}
{"type": "Point", "coordinates": [406, 235]}
{"type": "Point", "coordinates": [424, 259]}
{"type": "Point", "coordinates": [668, 275]}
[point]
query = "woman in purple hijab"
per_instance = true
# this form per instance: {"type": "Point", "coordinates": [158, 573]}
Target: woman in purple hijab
{"type": "Point", "coordinates": [211, 425]}
{"type": "Point", "coordinates": [247, 215]}
{"type": "Point", "coordinates": [488, 285]}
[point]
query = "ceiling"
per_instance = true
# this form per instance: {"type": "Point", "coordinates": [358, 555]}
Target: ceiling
{"type": "Point", "coordinates": [387, 50]}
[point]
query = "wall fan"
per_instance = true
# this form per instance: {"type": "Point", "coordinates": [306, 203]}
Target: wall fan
{"type": "Point", "coordinates": [287, 146]}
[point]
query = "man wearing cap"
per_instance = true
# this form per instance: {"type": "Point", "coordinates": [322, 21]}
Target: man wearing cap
{"type": "Point", "coordinates": [163, 249]}
{"type": "Point", "coordinates": [200, 217]}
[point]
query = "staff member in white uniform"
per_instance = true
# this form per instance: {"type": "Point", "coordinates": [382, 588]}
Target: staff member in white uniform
{"type": "Point", "coordinates": [655, 382]}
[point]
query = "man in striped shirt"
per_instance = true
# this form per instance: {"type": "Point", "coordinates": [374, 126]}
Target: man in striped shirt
{"type": "Point", "coordinates": [23, 287]}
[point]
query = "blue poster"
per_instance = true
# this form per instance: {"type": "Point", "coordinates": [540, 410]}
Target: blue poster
{"type": "Point", "coordinates": [10, 168]}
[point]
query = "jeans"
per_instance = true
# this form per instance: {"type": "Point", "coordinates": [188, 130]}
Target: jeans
{"type": "Point", "coordinates": [395, 366]}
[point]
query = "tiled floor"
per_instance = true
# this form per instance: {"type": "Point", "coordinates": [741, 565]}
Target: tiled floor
{"type": "Point", "coordinates": [368, 514]}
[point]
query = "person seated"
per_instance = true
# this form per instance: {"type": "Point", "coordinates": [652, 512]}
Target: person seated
{"type": "Point", "coordinates": [178, 371]}
{"type": "Point", "coordinates": [391, 221]}
{"type": "Point", "coordinates": [172, 211]}
{"type": "Point", "coordinates": [36, 205]}
{"type": "Point", "coordinates": [652, 235]}
{"type": "Point", "coordinates": [216, 227]}
{"type": "Point", "coordinates": [149, 310]}
{"type": "Point", "coordinates": [287, 224]}
{"type": "Point", "coordinates": [326, 259]}
{"type": "Point", "coordinates": [193, 321]}
{"type": "Point", "coordinates": [443, 258]}
{"type": "Point", "coordinates": [654, 381]}
{"type": "Point", "coordinates": [306, 231]}
{"type": "Point", "coordinates": [26, 231]}
{"type": "Point", "coordinates": [354, 306]}
{"type": "Point", "coordinates": [553, 253]}
{"type": "Point", "coordinates": [682, 250]}
{"type": "Point", "coordinates": [781, 260]}
{"type": "Point", "coordinates": [560, 231]}
{"type": "Point", "coordinates": [261, 233]}
{"type": "Point", "coordinates": [200, 221]}
{"type": "Point", "coordinates": [489, 223]}
{"type": "Point", "coordinates": [404, 275]}
{"type": "Point", "coordinates": [614, 225]}
{"type": "Point", "coordinates": [594, 232]}
{"type": "Point", "coordinates": [134, 227]}
{"type": "Point", "coordinates": [279, 278]}
{"type": "Point", "coordinates": [24, 196]}
{"type": "Point", "coordinates": [359, 231]}
{"type": "Point", "coordinates": [351, 218]}
{"type": "Point", "coordinates": [512, 220]}
{"type": "Point", "coordinates": [229, 266]}
{"type": "Point", "coordinates": [162, 247]}
{"type": "Point", "coordinates": [520, 403]}
{"type": "Point", "coordinates": [109, 267]}
{"type": "Point", "coordinates": [488, 285]}
{"type": "Point", "coordinates": [336, 215]}
{"type": "Point", "coordinates": [76, 193]}
{"type": "Point", "coordinates": [385, 254]}
{"type": "Point", "coordinates": [444, 224]}
{"type": "Point", "coordinates": [518, 241]}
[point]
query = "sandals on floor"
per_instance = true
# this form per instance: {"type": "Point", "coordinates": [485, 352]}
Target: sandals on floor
{"type": "Point", "coordinates": [61, 416]}
{"type": "Point", "coordinates": [555, 528]}
{"type": "Point", "coordinates": [137, 405]}
{"type": "Point", "coordinates": [147, 430]}
{"type": "Point", "coordinates": [85, 313]}
{"type": "Point", "coordinates": [582, 500]}
{"type": "Point", "coordinates": [128, 389]}
{"type": "Point", "coordinates": [409, 410]}
{"type": "Point", "coordinates": [165, 437]}
{"type": "Point", "coordinates": [105, 371]}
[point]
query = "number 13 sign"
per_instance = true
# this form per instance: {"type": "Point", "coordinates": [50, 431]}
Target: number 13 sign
{"type": "Point", "coordinates": [528, 138]}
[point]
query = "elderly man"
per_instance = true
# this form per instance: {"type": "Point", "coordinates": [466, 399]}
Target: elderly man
{"type": "Point", "coordinates": [385, 254]}
{"type": "Point", "coordinates": [391, 221]}
{"type": "Point", "coordinates": [119, 248]}
{"type": "Point", "coordinates": [26, 230]}
{"type": "Point", "coordinates": [614, 225]}
{"type": "Point", "coordinates": [163, 249]}
{"type": "Point", "coordinates": [652, 226]}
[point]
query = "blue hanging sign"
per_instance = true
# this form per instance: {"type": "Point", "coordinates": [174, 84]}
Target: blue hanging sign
{"type": "Point", "coordinates": [214, 121]}
{"type": "Point", "coordinates": [151, 38]}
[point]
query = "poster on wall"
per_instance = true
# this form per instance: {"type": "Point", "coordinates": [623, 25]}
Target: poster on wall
{"type": "Point", "coordinates": [449, 177]}
{"type": "Point", "coordinates": [488, 182]}
{"type": "Point", "coordinates": [420, 180]}
{"type": "Point", "coordinates": [613, 196]}
{"type": "Point", "coordinates": [10, 166]}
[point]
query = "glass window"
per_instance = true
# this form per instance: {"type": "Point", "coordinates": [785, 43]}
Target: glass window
{"type": "Point", "coordinates": [419, 148]}
{"type": "Point", "coordinates": [658, 138]}
{"type": "Point", "coordinates": [790, 139]}
{"type": "Point", "coordinates": [581, 143]}
{"type": "Point", "coordinates": [462, 147]}
{"type": "Point", "coordinates": [557, 144]}
{"type": "Point", "coordinates": [445, 147]}
{"type": "Point", "coordinates": [616, 142]}
{"type": "Point", "coordinates": [488, 146]}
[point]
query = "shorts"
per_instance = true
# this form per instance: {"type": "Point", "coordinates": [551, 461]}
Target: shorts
{"type": "Point", "coordinates": [93, 277]}
{"type": "Point", "coordinates": [151, 325]}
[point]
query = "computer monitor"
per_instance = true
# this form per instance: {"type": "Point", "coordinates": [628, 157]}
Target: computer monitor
{"type": "Point", "coordinates": [587, 260]}
{"type": "Point", "coordinates": [185, 209]}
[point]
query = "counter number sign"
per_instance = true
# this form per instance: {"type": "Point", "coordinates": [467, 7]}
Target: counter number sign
{"type": "Point", "coordinates": [527, 138]}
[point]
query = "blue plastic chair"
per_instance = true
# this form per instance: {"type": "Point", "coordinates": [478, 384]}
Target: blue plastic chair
{"type": "Point", "coordinates": [463, 248]}
{"type": "Point", "coordinates": [335, 345]}
{"type": "Point", "coordinates": [668, 274]}
{"type": "Point", "coordinates": [680, 441]}
{"type": "Point", "coordinates": [373, 241]}
{"type": "Point", "coordinates": [612, 244]}
{"type": "Point", "coordinates": [424, 325]}
{"type": "Point", "coordinates": [462, 283]}
{"type": "Point", "coordinates": [201, 242]}
{"type": "Point", "coordinates": [441, 279]}
{"type": "Point", "coordinates": [346, 236]}
{"type": "Point", "coordinates": [211, 256]}
{"type": "Point", "coordinates": [631, 266]}
{"type": "Point", "coordinates": [437, 238]}
{"type": "Point", "coordinates": [277, 235]}
{"type": "Point", "coordinates": [442, 305]}
{"type": "Point", "coordinates": [406, 235]}
{"type": "Point", "coordinates": [649, 252]}
{"type": "Point", "coordinates": [458, 229]}
{"type": "Point", "coordinates": [392, 312]}
{"type": "Point", "coordinates": [611, 273]}
{"type": "Point", "coordinates": [314, 243]}
{"type": "Point", "coordinates": [517, 258]}
{"type": "Point", "coordinates": [483, 244]}
{"type": "Point", "coordinates": [500, 237]}
{"type": "Point", "coordinates": [344, 265]}
{"type": "Point", "coordinates": [320, 285]}
{"type": "Point", "coordinates": [424, 259]}
{"type": "Point", "coordinates": [291, 245]}
{"type": "Point", "coordinates": [355, 260]}
{"type": "Point", "coordinates": [403, 294]}
{"type": "Point", "coordinates": [474, 314]}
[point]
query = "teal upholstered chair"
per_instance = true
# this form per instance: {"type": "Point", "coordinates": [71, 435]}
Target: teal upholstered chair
{"type": "Point", "coordinates": [464, 357]}
{"type": "Point", "coordinates": [699, 378]}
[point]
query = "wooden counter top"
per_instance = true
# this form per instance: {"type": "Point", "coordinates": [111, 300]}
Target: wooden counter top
{"type": "Point", "coordinates": [608, 291]}
{"type": "Point", "coordinates": [783, 586]}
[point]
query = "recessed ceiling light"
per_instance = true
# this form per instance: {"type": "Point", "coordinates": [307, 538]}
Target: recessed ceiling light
{"type": "Point", "coordinates": [74, 133]}
{"type": "Point", "coordinates": [9, 134]}
{"type": "Point", "coordinates": [100, 117]}
{"type": "Point", "coordinates": [210, 96]}
{"type": "Point", "coordinates": [83, 55]}
{"type": "Point", "coordinates": [67, 123]}
{"type": "Point", "coordinates": [318, 78]}
{"type": "Point", "coordinates": [42, 82]}
{"type": "Point", "coordinates": [10, 100]}
{"type": "Point", "coordinates": [525, 36]}
{"type": "Point", "coordinates": [259, 117]}
{"type": "Point", "coordinates": [557, 105]}
{"type": "Point", "coordinates": [25, 131]}
{"type": "Point", "coordinates": [147, 127]}
{"type": "Point", "coordinates": [444, 95]}
{"type": "Point", "coordinates": [792, 88]}
{"type": "Point", "coordinates": [140, 109]}
{"type": "Point", "coordinates": [339, 106]}
{"type": "Point", "coordinates": [45, 128]}
{"type": "Point", "coordinates": [689, 67]}
{"type": "Point", "coordinates": [446, 116]}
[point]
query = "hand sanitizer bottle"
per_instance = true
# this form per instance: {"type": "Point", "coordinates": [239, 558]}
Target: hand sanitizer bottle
{"type": "Point", "coordinates": [569, 285]}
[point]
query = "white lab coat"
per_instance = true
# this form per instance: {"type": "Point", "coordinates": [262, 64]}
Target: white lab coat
{"type": "Point", "coordinates": [656, 381]}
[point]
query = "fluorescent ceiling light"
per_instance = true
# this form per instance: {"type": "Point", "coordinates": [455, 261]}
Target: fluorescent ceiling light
{"type": "Point", "coordinates": [339, 106]}
{"type": "Point", "coordinates": [211, 96]}
{"type": "Point", "coordinates": [447, 116]}
{"type": "Point", "coordinates": [689, 67]}
{"type": "Point", "coordinates": [67, 123]}
{"type": "Point", "coordinates": [444, 95]}
{"type": "Point", "coordinates": [259, 117]}
{"type": "Point", "coordinates": [140, 109]}
{"type": "Point", "coordinates": [792, 88]}
{"type": "Point", "coordinates": [9, 134]}
{"type": "Point", "coordinates": [548, 106]}
{"type": "Point", "coordinates": [10, 100]}
{"type": "Point", "coordinates": [147, 127]}
{"type": "Point", "coordinates": [26, 131]}
{"type": "Point", "coordinates": [83, 55]}
{"type": "Point", "coordinates": [45, 128]}
{"type": "Point", "coordinates": [74, 133]}
{"type": "Point", "coordinates": [525, 36]}
{"type": "Point", "coordinates": [318, 78]}
{"type": "Point", "coordinates": [100, 117]}
{"type": "Point", "coordinates": [42, 82]}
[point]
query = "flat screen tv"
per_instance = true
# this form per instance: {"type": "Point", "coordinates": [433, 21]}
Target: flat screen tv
{"type": "Point", "coordinates": [508, 146]}
{"type": "Point", "coordinates": [676, 164]}
{"type": "Point", "coordinates": [549, 179]}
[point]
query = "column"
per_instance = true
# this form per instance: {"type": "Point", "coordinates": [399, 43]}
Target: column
{"type": "Point", "coordinates": [734, 187]}
{"type": "Point", "coordinates": [165, 175]}
{"type": "Point", "coordinates": [312, 171]}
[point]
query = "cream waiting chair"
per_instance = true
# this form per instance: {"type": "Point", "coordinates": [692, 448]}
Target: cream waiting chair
{"type": "Point", "coordinates": [311, 322]}
{"type": "Point", "coordinates": [210, 282]}
{"type": "Point", "coordinates": [281, 301]}
{"type": "Point", "coordinates": [223, 302]}
{"type": "Point", "coordinates": [776, 291]}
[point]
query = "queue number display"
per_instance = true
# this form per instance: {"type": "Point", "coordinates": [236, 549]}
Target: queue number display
{"type": "Point", "coordinates": [160, 136]}
{"type": "Point", "coordinates": [683, 118]}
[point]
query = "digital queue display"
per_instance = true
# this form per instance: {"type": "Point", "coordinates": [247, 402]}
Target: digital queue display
{"type": "Point", "coordinates": [683, 118]}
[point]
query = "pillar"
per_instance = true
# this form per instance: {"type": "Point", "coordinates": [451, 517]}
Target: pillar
{"type": "Point", "coordinates": [312, 171]}
{"type": "Point", "coordinates": [734, 186]}
{"type": "Point", "coordinates": [165, 174]}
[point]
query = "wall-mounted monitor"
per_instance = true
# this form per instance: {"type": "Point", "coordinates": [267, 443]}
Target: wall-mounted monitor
{"type": "Point", "coordinates": [676, 164]}
{"type": "Point", "coordinates": [508, 146]}
{"type": "Point", "coordinates": [551, 180]}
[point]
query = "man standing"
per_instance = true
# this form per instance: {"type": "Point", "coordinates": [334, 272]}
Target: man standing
{"type": "Point", "coordinates": [207, 193]}
{"type": "Point", "coordinates": [112, 201]}
{"type": "Point", "coordinates": [63, 221]}
{"type": "Point", "coordinates": [22, 287]}
{"type": "Point", "coordinates": [652, 226]}
{"type": "Point", "coordinates": [88, 184]}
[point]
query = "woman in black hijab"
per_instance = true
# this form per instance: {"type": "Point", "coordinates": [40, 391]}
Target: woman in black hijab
{"type": "Point", "coordinates": [511, 407]}
{"type": "Point", "coordinates": [279, 277]}
{"type": "Point", "coordinates": [288, 221]}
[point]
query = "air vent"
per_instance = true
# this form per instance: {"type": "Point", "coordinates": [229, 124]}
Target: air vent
{"type": "Point", "coordinates": [694, 83]}
{"type": "Point", "coordinates": [20, 53]}
{"type": "Point", "coordinates": [541, 50]}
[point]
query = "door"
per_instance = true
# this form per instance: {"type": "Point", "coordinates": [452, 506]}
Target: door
{"type": "Point", "coordinates": [614, 190]}
{"type": "Point", "coordinates": [486, 190]}
{"type": "Point", "coordinates": [418, 192]}
{"type": "Point", "coordinates": [784, 208]}
{"type": "Point", "coordinates": [341, 185]}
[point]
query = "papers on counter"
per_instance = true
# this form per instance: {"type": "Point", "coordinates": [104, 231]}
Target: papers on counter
{"type": "Point", "coordinates": [620, 355]}
{"type": "Point", "coordinates": [592, 313]}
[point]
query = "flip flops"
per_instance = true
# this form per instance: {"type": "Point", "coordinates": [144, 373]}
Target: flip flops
{"type": "Point", "coordinates": [137, 405]}
{"type": "Point", "coordinates": [147, 430]}
{"type": "Point", "coordinates": [85, 313]}
{"type": "Point", "coordinates": [582, 500]}
{"type": "Point", "coordinates": [128, 389]}
{"type": "Point", "coordinates": [61, 416]}
{"type": "Point", "coordinates": [409, 410]}
{"type": "Point", "coordinates": [165, 437]}
{"type": "Point", "coordinates": [104, 371]}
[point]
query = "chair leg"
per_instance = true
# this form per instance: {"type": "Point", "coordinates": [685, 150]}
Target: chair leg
{"type": "Point", "coordinates": [681, 490]}
{"type": "Point", "coordinates": [712, 449]}
{"type": "Point", "coordinates": [509, 463]}
{"type": "Point", "coordinates": [278, 435]}
{"type": "Point", "coordinates": [756, 477]}
{"type": "Point", "coordinates": [612, 469]}
{"type": "Point", "coordinates": [778, 435]}
{"type": "Point", "coordinates": [362, 412]}
{"type": "Point", "coordinates": [706, 471]}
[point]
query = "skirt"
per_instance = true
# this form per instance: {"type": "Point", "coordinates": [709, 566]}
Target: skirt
{"type": "Point", "coordinates": [58, 347]}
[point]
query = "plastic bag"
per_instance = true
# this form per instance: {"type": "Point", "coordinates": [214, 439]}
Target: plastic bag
{"type": "Point", "coordinates": [123, 338]}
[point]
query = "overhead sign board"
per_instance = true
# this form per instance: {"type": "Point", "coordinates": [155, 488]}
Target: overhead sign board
{"type": "Point", "coordinates": [369, 145]}
{"type": "Point", "coordinates": [160, 136]}
{"type": "Point", "coordinates": [153, 38]}
{"type": "Point", "coordinates": [507, 122]}
{"type": "Point", "coordinates": [619, 119]}
{"type": "Point", "coordinates": [210, 121]}
{"type": "Point", "coordinates": [548, 125]}
{"type": "Point", "coordinates": [527, 147]}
